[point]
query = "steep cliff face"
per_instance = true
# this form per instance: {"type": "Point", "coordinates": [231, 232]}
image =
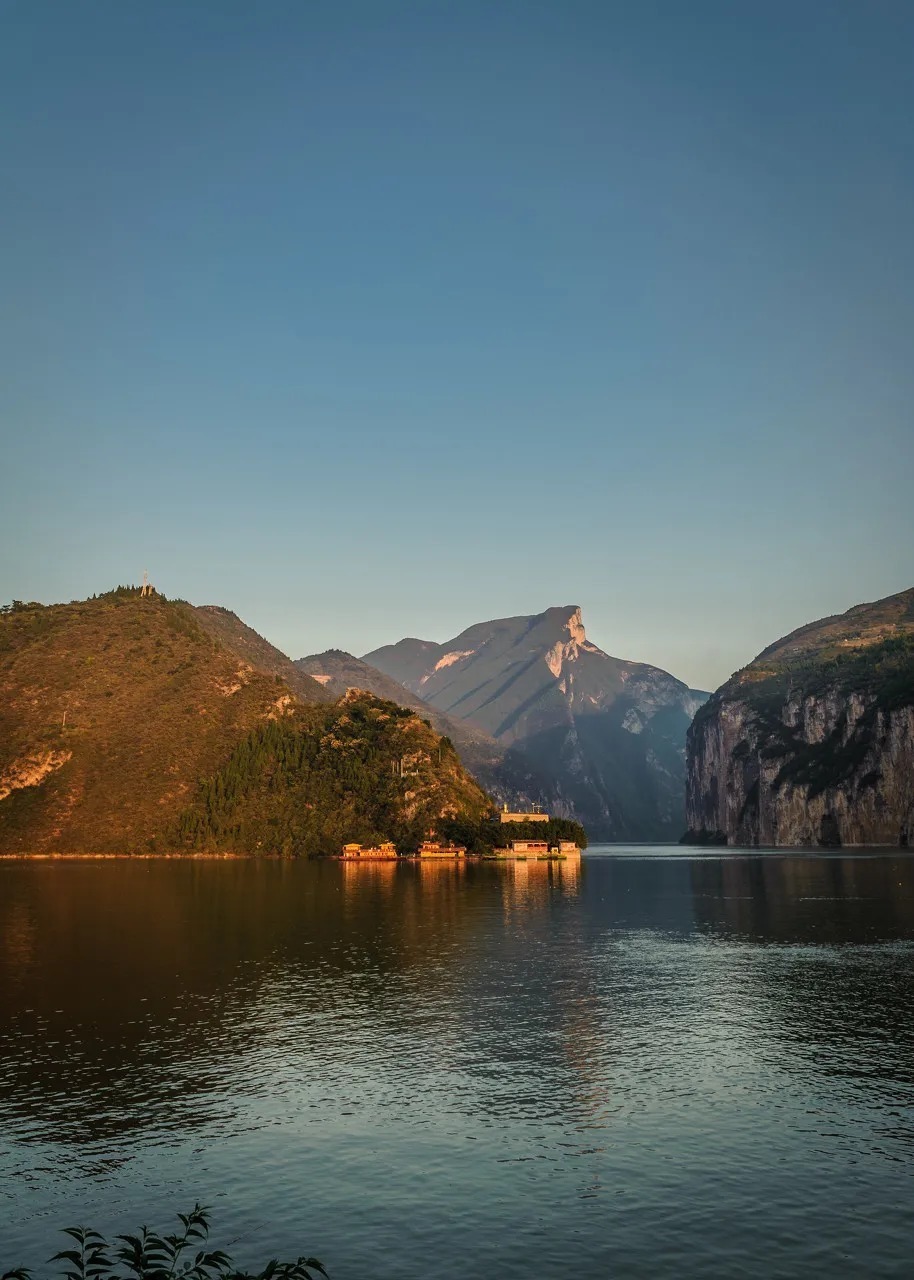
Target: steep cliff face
{"type": "Point", "coordinates": [813, 743]}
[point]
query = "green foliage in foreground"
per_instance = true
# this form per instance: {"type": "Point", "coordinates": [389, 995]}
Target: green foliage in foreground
{"type": "Point", "coordinates": [149, 1256]}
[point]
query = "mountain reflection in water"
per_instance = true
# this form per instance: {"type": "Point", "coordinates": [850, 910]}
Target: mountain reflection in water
{"type": "Point", "coordinates": [655, 1064]}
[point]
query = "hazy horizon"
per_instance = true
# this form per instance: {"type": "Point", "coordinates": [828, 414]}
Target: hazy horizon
{"type": "Point", "coordinates": [366, 321]}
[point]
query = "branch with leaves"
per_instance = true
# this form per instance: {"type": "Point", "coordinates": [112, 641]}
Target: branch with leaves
{"type": "Point", "coordinates": [150, 1256]}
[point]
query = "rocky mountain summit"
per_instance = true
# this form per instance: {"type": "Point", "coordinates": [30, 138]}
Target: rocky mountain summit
{"type": "Point", "coordinates": [813, 742]}
{"type": "Point", "coordinates": [604, 738]}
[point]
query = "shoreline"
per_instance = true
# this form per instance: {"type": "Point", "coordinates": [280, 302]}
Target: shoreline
{"type": "Point", "coordinates": [272, 857]}
{"type": "Point", "coordinates": [139, 857]}
{"type": "Point", "coordinates": [721, 851]}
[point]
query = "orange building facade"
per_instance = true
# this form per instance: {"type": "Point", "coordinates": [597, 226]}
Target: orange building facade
{"type": "Point", "coordinates": [429, 849]}
{"type": "Point", "coordinates": [386, 850]}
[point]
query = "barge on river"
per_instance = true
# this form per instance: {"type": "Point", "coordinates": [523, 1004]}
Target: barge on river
{"type": "Point", "coordinates": [385, 852]}
{"type": "Point", "coordinates": [518, 850]}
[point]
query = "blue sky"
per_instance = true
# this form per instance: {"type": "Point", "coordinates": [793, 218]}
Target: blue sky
{"type": "Point", "coordinates": [373, 319]}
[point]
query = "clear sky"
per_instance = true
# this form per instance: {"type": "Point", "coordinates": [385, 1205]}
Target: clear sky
{"type": "Point", "coordinates": [379, 319]}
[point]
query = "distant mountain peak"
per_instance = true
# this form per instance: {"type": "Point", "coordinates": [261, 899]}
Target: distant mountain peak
{"type": "Point", "coordinates": [610, 733]}
{"type": "Point", "coordinates": [566, 615]}
{"type": "Point", "coordinates": [565, 651]}
{"type": "Point", "coordinates": [575, 626]}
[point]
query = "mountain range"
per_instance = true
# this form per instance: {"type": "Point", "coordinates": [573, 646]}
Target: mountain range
{"type": "Point", "coordinates": [133, 723]}
{"type": "Point", "coordinates": [552, 718]}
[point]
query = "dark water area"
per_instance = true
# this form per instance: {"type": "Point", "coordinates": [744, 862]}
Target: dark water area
{"type": "Point", "coordinates": [659, 1063]}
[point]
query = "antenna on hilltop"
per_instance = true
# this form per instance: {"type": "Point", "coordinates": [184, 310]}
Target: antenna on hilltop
{"type": "Point", "coordinates": [147, 588]}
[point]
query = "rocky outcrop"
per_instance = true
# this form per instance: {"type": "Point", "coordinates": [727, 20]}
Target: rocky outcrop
{"type": "Point", "coordinates": [31, 770]}
{"type": "Point", "coordinates": [813, 743]}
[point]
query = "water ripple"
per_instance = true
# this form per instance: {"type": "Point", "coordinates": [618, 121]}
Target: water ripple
{"type": "Point", "coordinates": [649, 1066]}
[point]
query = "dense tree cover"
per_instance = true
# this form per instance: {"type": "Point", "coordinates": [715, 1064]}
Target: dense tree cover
{"type": "Point", "coordinates": [883, 670]}
{"type": "Point", "coordinates": [485, 835]}
{"type": "Point", "coordinates": [362, 770]}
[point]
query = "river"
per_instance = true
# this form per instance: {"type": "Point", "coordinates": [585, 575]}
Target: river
{"type": "Point", "coordinates": [658, 1063]}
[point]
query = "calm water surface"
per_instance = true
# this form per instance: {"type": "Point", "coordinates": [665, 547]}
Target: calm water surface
{"type": "Point", "coordinates": [658, 1064]}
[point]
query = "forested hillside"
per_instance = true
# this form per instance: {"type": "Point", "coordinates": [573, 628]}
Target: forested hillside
{"type": "Point", "coordinates": [362, 769]}
{"type": "Point", "coordinates": [126, 726]}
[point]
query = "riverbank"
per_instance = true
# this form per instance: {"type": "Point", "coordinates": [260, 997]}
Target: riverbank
{"type": "Point", "coordinates": [138, 857]}
{"type": "Point", "coordinates": [277, 857]}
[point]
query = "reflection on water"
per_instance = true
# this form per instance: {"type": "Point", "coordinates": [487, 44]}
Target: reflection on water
{"type": "Point", "coordinates": [818, 899]}
{"type": "Point", "coordinates": [654, 1065]}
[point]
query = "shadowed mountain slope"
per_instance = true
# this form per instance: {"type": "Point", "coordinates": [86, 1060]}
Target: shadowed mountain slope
{"type": "Point", "coordinates": [608, 733]}
{"type": "Point", "coordinates": [339, 672]}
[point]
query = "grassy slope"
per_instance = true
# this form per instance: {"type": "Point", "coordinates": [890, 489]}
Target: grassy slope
{"type": "Point", "coordinates": [154, 704]}
{"type": "Point", "coordinates": [862, 626]}
{"type": "Point", "coordinates": [870, 649]}
{"type": "Point", "coordinates": [151, 701]}
{"type": "Point", "coordinates": [238, 638]}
